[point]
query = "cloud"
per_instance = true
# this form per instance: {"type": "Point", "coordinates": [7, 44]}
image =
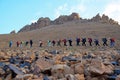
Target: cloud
{"type": "Point", "coordinates": [112, 10]}
{"type": "Point", "coordinates": [61, 9]}
{"type": "Point", "coordinates": [68, 9]}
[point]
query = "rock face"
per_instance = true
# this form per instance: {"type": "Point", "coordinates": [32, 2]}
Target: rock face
{"type": "Point", "coordinates": [98, 68]}
{"type": "Point", "coordinates": [65, 18]}
{"type": "Point", "coordinates": [12, 32]}
{"type": "Point", "coordinates": [96, 18]}
{"type": "Point", "coordinates": [43, 22]}
{"type": "Point", "coordinates": [103, 19]}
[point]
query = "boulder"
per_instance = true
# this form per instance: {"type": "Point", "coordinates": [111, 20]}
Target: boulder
{"type": "Point", "coordinates": [61, 70]}
{"type": "Point", "coordinates": [79, 77]}
{"type": "Point", "coordinates": [109, 69]}
{"type": "Point", "coordinates": [24, 77]}
{"type": "Point", "coordinates": [70, 77]}
{"type": "Point", "coordinates": [9, 77]}
{"type": "Point", "coordinates": [79, 68]}
{"type": "Point", "coordinates": [40, 65]}
{"type": "Point", "coordinates": [2, 72]}
{"type": "Point", "coordinates": [118, 77]}
{"type": "Point", "coordinates": [96, 67]}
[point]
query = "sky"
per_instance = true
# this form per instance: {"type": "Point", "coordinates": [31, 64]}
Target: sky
{"type": "Point", "coordinates": [15, 14]}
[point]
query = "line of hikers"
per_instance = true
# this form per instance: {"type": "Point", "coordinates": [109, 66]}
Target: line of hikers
{"type": "Point", "coordinates": [20, 44]}
{"type": "Point", "coordinates": [67, 42]}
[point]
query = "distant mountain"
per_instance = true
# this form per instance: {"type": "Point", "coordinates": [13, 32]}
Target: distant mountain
{"type": "Point", "coordinates": [43, 22]}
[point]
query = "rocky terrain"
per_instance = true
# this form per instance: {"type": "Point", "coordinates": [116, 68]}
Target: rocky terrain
{"type": "Point", "coordinates": [35, 64]}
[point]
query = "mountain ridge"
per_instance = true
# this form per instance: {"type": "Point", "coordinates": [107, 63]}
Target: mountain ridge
{"type": "Point", "coordinates": [44, 22]}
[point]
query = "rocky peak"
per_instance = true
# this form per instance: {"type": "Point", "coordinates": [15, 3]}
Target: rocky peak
{"type": "Point", "coordinates": [103, 19]}
{"type": "Point", "coordinates": [42, 22]}
{"type": "Point", "coordinates": [74, 16]}
{"type": "Point", "coordinates": [13, 32]}
{"type": "Point", "coordinates": [96, 18]}
{"type": "Point", "coordinates": [65, 18]}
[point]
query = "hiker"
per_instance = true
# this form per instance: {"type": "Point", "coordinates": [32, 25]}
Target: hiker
{"type": "Point", "coordinates": [10, 44]}
{"type": "Point", "coordinates": [40, 43]}
{"type": "Point", "coordinates": [21, 44]}
{"type": "Point", "coordinates": [90, 41]}
{"type": "Point", "coordinates": [59, 43]}
{"type": "Point", "coordinates": [17, 43]}
{"type": "Point", "coordinates": [112, 42]}
{"type": "Point", "coordinates": [78, 41]}
{"type": "Point", "coordinates": [53, 42]}
{"type": "Point", "coordinates": [96, 41]}
{"type": "Point", "coordinates": [83, 41]}
{"type": "Point", "coordinates": [70, 42]}
{"type": "Point", "coordinates": [26, 43]}
{"type": "Point", "coordinates": [49, 43]}
{"type": "Point", "coordinates": [104, 41]}
{"type": "Point", "coordinates": [31, 43]}
{"type": "Point", "coordinates": [65, 42]}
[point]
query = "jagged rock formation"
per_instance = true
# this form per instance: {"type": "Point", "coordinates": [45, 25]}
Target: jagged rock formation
{"type": "Point", "coordinates": [65, 18]}
{"type": "Point", "coordinates": [43, 22]}
{"type": "Point", "coordinates": [12, 32]}
{"type": "Point", "coordinates": [96, 18]}
{"type": "Point", "coordinates": [103, 19]}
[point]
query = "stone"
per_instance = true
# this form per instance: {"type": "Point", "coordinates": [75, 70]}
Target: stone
{"type": "Point", "coordinates": [15, 69]}
{"type": "Point", "coordinates": [109, 69]}
{"type": "Point", "coordinates": [69, 77]}
{"type": "Point", "coordinates": [96, 67]}
{"type": "Point", "coordinates": [9, 77]}
{"type": "Point", "coordinates": [79, 68]}
{"type": "Point", "coordinates": [24, 77]}
{"type": "Point", "coordinates": [95, 78]}
{"type": "Point", "coordinates": [40, 65]}
{"type": "Point", "coordinates": [118, 77]}
{"type": "Point", "coordinates": [79, 77]}
{"type": "Point", "coordinates": [60, 70]}
{"type": "Point", "coordinates": [2, 71]}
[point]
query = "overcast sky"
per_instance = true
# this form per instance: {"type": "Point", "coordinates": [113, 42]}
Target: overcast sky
{"type": "Point", "coordinates": [14, 14]}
